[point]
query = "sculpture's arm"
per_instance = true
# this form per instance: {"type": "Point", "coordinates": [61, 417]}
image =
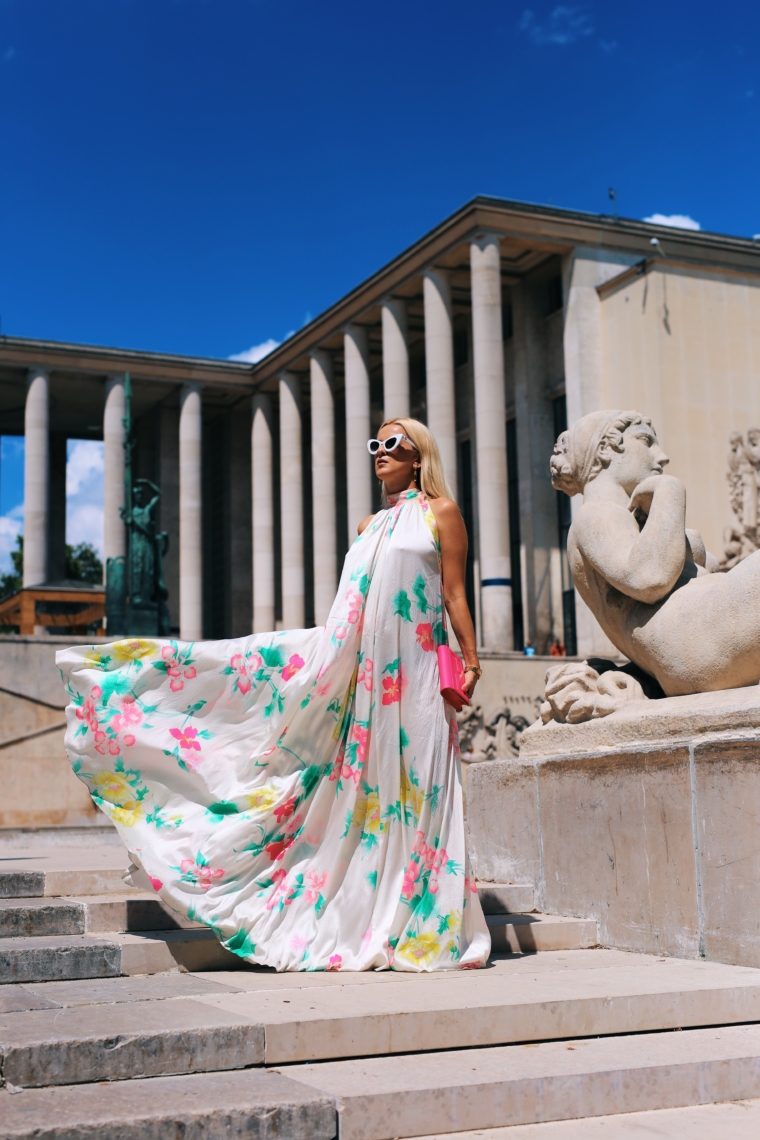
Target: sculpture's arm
{"type": "Point", "coordinates": [643, 564]}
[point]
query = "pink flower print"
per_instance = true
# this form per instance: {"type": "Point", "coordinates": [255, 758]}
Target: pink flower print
{"type": "Point", "coordinates": [454, 737]}
{"type": "Point", "coordinates": [336, 961]}
{"type": "Point", "coordinates": [155, 883]}
{"type": "Point", "coordinates": [364, 676]}
{"type": "Point", "coordinates": [294, 664]}
{"type": "Point", "coordinates": [324, 688]}
{"type": "Point", "coordinates": [129, 715]}
{"type": "Point", "coordinates": [129, 740]}
{"type": "Point", "coordinates": [113, 747]}
{"type": "Point", "coordinates": [284, 811]}
{"type": "Point", "coordinates": [298, 943]}
{"type": "Point", "coordinates": [276, 850]}
{"type": "Point", "coordinates": [338, 763]}
{"type": "Point", "coordinates": [97, 691]}
{"type": "Point", "coordinates": [100, 740]}
{"type": "Point", "coordinates": [203, 876]}
{"type": "Point", "coordinates": [361, 736]}
{"type": "Point", "coordinates": [410, 878]}
{"type": "Point", "coordinates": [341, 630]}
{"type": "Point", "coordinates": [186, 737]}
{"type": "Point", "coordinates": [367, 936]}
{"type": "Point", "coordinates": [242, 667]}
{"type": "Point", "coordinates": [425, 636]}
{"type": "Point", "coordinates": [316, 883]}
{"type": "Point", "coordinates": [278, 879]}
{"type": "Point", "coordinates": [394, 687]}
{"type": "Point", "coordinates": [175, 672]}
{"type": "Point", "coordinates": [354, 601]}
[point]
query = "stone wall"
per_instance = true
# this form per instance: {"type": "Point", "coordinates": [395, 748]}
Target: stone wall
{"type": "Point", "coordinates": [646, 821]}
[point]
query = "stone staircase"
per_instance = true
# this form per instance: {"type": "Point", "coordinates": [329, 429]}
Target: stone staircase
{"type": "Point", "coordinates": [119, 1020]}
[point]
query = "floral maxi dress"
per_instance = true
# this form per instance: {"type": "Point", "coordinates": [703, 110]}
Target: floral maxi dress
{"type": "Point", "coordinates": [297, 792]}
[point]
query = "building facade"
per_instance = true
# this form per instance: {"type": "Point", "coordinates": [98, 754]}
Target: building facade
{"type": "Point", "coordinates": [498, 328]}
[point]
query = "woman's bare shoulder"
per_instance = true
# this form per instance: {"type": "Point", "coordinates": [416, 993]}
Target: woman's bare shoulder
{"type": "Point", "coordinates": [445, 510]}
{"type": "Point", "coordinates": [364, 524]}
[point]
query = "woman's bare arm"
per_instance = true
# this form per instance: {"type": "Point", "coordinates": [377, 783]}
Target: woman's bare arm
{"type": "Point", "coordinates": [453, 538]}
{"type": "Point", "coordinates": [364, 524]}
{"type": "Point", "coordinates": [643, 564]}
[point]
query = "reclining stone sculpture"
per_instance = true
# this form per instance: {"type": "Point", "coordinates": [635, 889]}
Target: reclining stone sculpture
{"type": "Point", "coordinates": [646, 577]}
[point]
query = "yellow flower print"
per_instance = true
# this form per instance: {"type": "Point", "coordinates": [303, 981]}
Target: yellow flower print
{"type": "Point", "coordinates": [133, 649]}
{"type": "Point", "coordinates": [373, 818]}
{"type": "Point", "coordinates": [411, 796]}
{"type": "Point", "coordinates": [115, 789]}
{"type": "Point", "coordinates": [360, 813]}
{"type": "Point", "coordinates": [263, 799]}
{"type": "Point", "coordinates": [454, 921]}
{"type": "Point", "coordinates": [420, 949]}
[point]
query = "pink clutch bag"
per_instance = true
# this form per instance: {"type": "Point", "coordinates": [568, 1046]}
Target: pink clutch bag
{"type": "Point", "coordinates": [451, 671]}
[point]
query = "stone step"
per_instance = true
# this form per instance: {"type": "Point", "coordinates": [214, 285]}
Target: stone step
{"type": "Point", "coordinates": [41, 917]}
{"type": "Point", "coordinates": [737, 1120]}
{"type": "Point", "coordinates": [67, 1032]}
{"type": "Point", "coordinates": [108, 955]}
{"type": "Point", "coordinates": [211, 1106]}
{"type": "Point", "coordinates": [533, 933]}
{"type": "Point", "coordinates": [44, 872]}
{"type": "Point", "coordinates": [506, 898]}
{"type": "Point", "coordinates": [442, 1093]}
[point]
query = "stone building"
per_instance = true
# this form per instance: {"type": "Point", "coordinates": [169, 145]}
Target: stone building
{"type": "Point", "coordinates": [497, 328]}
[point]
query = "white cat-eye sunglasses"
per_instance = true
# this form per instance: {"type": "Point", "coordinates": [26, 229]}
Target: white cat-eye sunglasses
{"type": "Point", "coordinates": [388, 445]}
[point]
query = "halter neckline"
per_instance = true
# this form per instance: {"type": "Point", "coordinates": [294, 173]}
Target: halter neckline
{"type": "Point", "coordinates": [400, 496]}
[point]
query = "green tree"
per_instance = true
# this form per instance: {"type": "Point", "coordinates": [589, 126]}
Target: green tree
{"type": "Point", "coordinates": [83, 564]}
{"type": "Point", "coordinates": [11, 583]}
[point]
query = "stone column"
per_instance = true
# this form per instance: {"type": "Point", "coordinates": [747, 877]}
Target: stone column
{"type": "Point", "coordinates": [190, 533]}
{"type": "Point", "coordinates": [263, 515]}
{"type": "Point", "coordinates": [114, 537]}
{"type": "Point", "coordinates": [358, 463]}
{"type": "Point", "coordinates": [490, 429]}
{"type": "Point", "coordinates": [323, 484]}
{"type": "Point", "coordinates": [439, 364]}
{"type": "Point", "coordinates": [36, 477]}
{"type": "Point", "coordinates": [395, 359]}
{"type": "Point", "coordinates": [291, 502]}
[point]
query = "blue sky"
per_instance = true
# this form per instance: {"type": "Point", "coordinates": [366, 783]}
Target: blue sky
{"type": "Point", "coordinates": [202, 176]}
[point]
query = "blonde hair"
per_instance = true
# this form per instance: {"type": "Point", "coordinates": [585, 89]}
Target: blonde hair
{"type": "Point", "coordinates": [432, 479]}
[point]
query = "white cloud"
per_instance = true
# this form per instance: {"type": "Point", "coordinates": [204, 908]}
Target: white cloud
{"type": "Point", "coordinates": [563, 26]}
{"type": "Point", "coordinates": [84, 523]}
{"type": "Point", "coordinates": [84, 462]}
{"type": "Point", "coordinates": [677, 221]}
{"type": "Point", "coordinates": [84, 493]}
{"type": "Point", "coordinates": [10, 527]}
{"type": "Point", "coordinates": [257, 352]}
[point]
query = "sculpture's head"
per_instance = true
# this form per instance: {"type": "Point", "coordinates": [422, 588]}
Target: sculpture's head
{"type": "Point", "coordinates": [624, 444]}
{"type": "Point", "coordinates": [753, 437]}
{"type": "Point", "coordinates": [735, 439]}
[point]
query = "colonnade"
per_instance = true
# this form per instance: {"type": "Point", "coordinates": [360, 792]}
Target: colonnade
{"type": "Point", "coordinates": [490, 452]}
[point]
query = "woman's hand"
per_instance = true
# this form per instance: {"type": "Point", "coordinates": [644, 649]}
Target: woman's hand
{"type": "Point", "coordinates": [470, 681]}
{"type": "Point", "coordinates": [642, 496]}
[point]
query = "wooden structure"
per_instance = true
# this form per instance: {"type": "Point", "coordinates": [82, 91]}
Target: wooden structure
{"type": "Point", "coordinates": [62, 608]}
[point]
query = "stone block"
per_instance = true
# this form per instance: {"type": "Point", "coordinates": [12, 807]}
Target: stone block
{"type": "Point", "coordinates": [502, 822]}
{"type": "Point", "coordinates": [727, 778]}
{"type": "Point", "coordinates": [506, 898]}
{"type": "Point", "coordinates": [204, 1106]}
{"type": "Point", "coordinates": [21, 884]}
{"type": "Point", "coordinates": [117, 1042]}
{"type": "Point", "coordinates": [53, 959]}
{"type": "Point", "coordinates": [535, 933]}
{"type": "Point", "coordinates": [616, 835]}
{"type": "Point", "coordinates": [384, 1097]}
{"type": "Point", "coordinates": [105, 991]}
{"type": "Point", "coordinates": [28, 918]}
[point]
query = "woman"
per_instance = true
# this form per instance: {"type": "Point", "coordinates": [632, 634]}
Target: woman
{"type": "Point", "coordinates": [646, 578]}
{"type": "Point", "coordinates": [300, 792]}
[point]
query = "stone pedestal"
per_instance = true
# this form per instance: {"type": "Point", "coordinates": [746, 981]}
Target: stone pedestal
{"type": "Point", "coordinates": [646, 820]}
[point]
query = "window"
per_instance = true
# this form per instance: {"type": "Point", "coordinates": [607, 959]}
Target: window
{"type": "Point", "coordinates": [461, 347]}
{"type": "Point", "coordinates": [554, 299]}
{"type": "Point", "coordinates": [513, 493]}
{"type": "Point", "coordinates": [507, 326]}
{"type": "Point", "coordinates": [564, 518]}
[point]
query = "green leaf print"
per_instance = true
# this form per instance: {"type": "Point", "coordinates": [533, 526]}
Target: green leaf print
{"type": "Point", "coordinates": [402, 606]}
{"type": "Point", "coordinates": [403, 739]}
{"type": "Point", "coordinates": [372, 879]}
{"type": "Point", "coordinates": [240, 943]}
{"type": "Point", "coordinates": [272, 657]}
{"type": "Point", "coordinates": [419, 593]}
{"type": "Point", "coordinates": [223, 807]}
{"type": "Point", "coordinates": [310, 778]}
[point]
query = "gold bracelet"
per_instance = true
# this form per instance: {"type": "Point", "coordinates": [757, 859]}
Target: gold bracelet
{"type": "Point", "coordinates": [474, 669]}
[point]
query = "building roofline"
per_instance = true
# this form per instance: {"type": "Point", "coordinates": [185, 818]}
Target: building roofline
{"type": "Point", "coordinates": [65, 357]}
{"type": "Point", "coordinates": [556, 229]}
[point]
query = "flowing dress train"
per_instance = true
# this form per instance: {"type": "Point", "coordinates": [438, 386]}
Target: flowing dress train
{"type": "Point", "coordinates": [298, 792]}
